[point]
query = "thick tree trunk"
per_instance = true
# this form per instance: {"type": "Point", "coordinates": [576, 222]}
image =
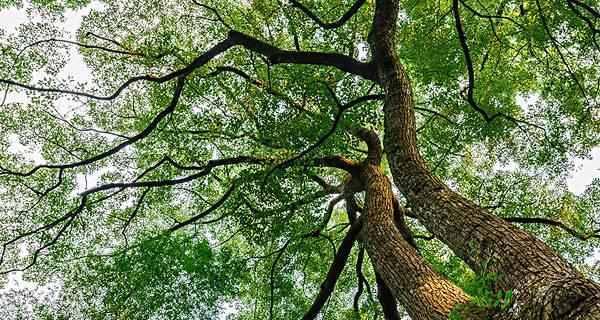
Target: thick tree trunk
{"type": "Point", "coordinates": [424, 293]}
{"type": "Point", "coordinates": [545, 286]}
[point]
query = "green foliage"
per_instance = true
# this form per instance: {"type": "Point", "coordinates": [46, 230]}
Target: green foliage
{"type": "Point", "coordinates": [485, 299]}
{"type": "Point", "coordinates": [175, 276]}
{"type": "Point", "coordinates": [517, 169]}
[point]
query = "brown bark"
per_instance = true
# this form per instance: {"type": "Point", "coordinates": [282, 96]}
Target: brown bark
{"type": "Point", "coordinates": [545, 286]}
{"type": "Point", "coordinates": [424, 293]}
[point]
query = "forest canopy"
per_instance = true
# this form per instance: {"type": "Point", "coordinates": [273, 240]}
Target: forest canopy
{"type": "Point", "coordinates": [297, 159]}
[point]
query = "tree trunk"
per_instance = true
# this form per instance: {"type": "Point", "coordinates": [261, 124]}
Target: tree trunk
{"type": "Point", "coordinates": [425, 294]}
{"type": "Point", "coordinates": [544, 285]}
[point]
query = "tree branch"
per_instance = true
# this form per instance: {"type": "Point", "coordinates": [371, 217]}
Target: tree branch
{"type": "Point", "coordinates": [554, 223]}
{"type": "Point", "coordinates": [141, 135]}
{"type": "Point", "coordinates": [387, 300]}
{"type": "Point", "coordinates": [468, 62]}
{"type": "Point", "coordinates": [273, 54]}
{"type": "Point", "coordinates": [329, 25]}
{"type": "Point", "coordinates": [335, 270]}
{"type": "Point", "coordinates": [206, 212]}
{"type": "Point", "coordinates": [375, 151]}
{"type": "Point", "coordinates": [206, 169]}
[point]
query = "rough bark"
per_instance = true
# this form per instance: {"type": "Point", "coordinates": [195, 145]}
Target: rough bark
{"type": "Point", "coordinates": [545, 286]}
{"type": "Point", "coordinates": [424, 293]}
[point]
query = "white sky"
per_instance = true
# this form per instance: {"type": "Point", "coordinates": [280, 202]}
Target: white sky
{"type": "Point", "coordinates": [585, 170]}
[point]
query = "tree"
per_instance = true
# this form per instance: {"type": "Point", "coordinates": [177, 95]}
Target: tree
{"type": "Point", "coordinates": [226, 133]}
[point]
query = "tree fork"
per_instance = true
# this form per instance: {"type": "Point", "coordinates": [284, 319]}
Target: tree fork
{"type": "Point", "coordinates": [423, 292]}
{"type": "Point", "coordinates": [544, 285]}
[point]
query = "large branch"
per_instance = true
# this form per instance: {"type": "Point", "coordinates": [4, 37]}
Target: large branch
{"type": "Point", "coordinates": [335, 270]}
{"type": "Point", "coordinates": [329, 25]}
{"type": "Point", "coordinates": [273, 54]}
{"type": "Point", "coordinates": [375, 151]}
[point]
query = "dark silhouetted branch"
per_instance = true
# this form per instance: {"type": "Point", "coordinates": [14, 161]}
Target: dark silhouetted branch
{"type": "Point", "coordinates": [141, 135]}
{"type": "Point", "coordinates": [206, 212]}
{"type": "Point", "coordinates": [554, 223]}
{"type": "Point", "coordinates": [335, 270]}
{"type": "Point", "coordinates": [234, 38]}
{"type": "Point", "coordinates": [462, 37]}
{"type": "Point", "coordinates": [214, 11]}
{"type": "Point", "coordinates": [387, 300]}
{"type": "Point", "coordinates": [329, 25]}
{"type": "Point", "coordinates": [206, 169]}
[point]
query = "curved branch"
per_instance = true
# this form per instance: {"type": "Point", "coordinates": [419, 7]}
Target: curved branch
{"type": "Point", "coordinates": [488, 16]}
{"type": "Point", "coordinates": [335, 162]}
{"type": "Point", "coordinates": [375, 151]}
{"type": "Point", "coordinates": [83, 45]}
{"type": "Point", "coordinates": [162, 183]}
{"type": "Point", "coordinates": [258, 84]}
{"type": "Point", "coordinates": [273, 54]}
{"type": "Point", "coordinates": [115, 42]}
{"type": "Point", "coordinates": [329, 25]}
{"type": "Point", "coordinates": [554, 223]}
{"type": "Point", "coordinates": [335, 270]}
{"type": "Point", "coordinates": [206, 212]}
{"type": "Point", "coordinates": [141, 135]}
{"type": "Point", "coordinates": [468, 62]}
{"type": "Point", "coordinates": [462, 37]}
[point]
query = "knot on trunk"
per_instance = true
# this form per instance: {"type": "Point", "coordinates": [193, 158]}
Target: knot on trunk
{"type": "Point", "coordinates": [373, 142]}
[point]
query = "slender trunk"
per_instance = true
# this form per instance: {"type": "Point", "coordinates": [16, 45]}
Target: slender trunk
{"type": "Point", "coordinates": [425, 294]}
{"type": "Point", "coordinates": [544, 285]}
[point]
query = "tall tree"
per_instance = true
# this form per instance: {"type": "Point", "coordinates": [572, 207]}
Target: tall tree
{"type": "Point", "coordinates": [201, 168]}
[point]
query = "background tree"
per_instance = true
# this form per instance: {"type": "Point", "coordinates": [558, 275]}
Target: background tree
{"type": "Point", "coordinates": [224, 138]}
